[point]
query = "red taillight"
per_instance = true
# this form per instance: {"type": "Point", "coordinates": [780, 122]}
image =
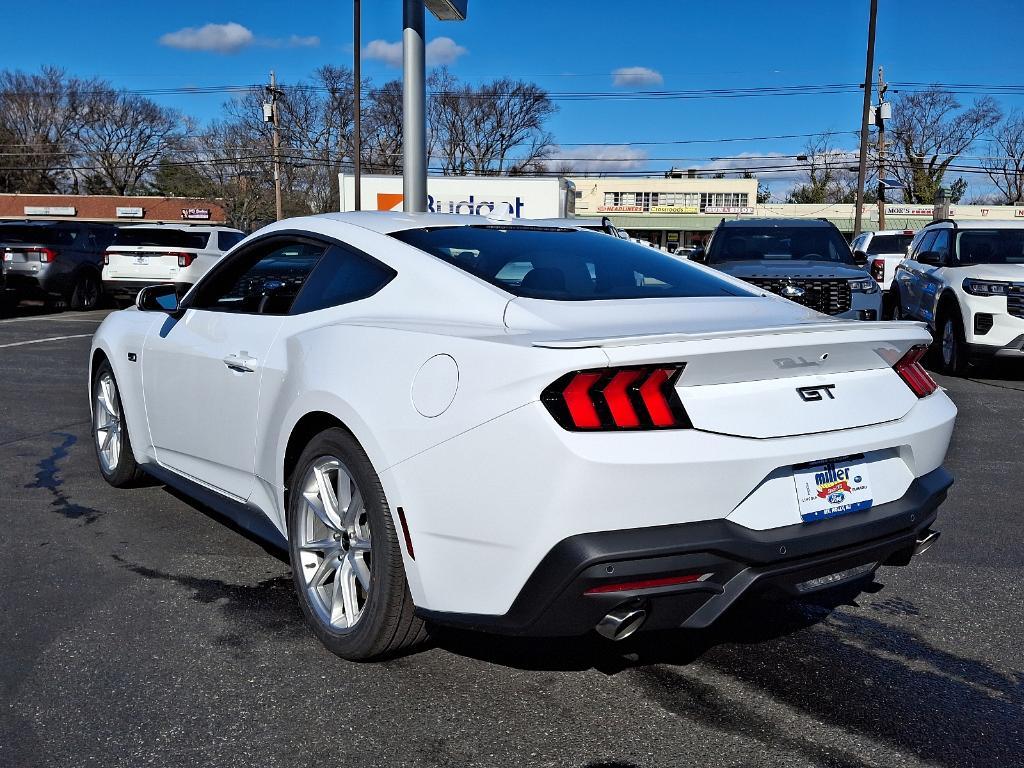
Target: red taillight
{"type": "Point", "coordinates": [611, 399]}
{"type": "Point", "coordinates": [185, 259]}
{"type": "Point", "coordinates": [106, 259]}
{"type": "Point", "coordinates": [667, 581]}
{"type": "Point", "coordinates": [913, 373]}
{"type": "Point", "coordinates": [878, 269]}
{"type": "Point", "coordinates": [46, 255]}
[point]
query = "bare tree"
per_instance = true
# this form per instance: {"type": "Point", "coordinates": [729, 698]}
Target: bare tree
{"type": "Point", "coordinates": [829, 179]}
{"type": "Point", "coordinates": [121, 138]}
{"type": "Point", "coordinates": [382, 130]}
{"type": "Point", "coordinates": [1005, 164]}
{"type": "Point", "coordinates": [930, 129]}
{"type": "Point", "coordinates": [494, 128]}
{"type": "Point", "coordinates": [39, 114]}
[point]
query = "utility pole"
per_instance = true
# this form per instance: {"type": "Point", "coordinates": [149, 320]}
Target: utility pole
{"type": "Point", "coordinates": [862, 170]}
{"type": "Point", "coordinates": [357, 129]}
{"type": "Point", "coordinates": [880, 117]}
{"type": "Point", "coordinates": [272, 115]}
{"type": "Point", "coordinates": [414, 99]}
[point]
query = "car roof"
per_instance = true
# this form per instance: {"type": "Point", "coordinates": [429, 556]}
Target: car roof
{"type": "Point", "coordinates": [974, 224]}
{"type": "Point", "coordinates": [789, 223]}
{"type": "Point", "coordinates": [891, 232]}
{"type": "Point", "coordinates": [387, 222]}
{"type": "Point", "coordinates": [182, 227]}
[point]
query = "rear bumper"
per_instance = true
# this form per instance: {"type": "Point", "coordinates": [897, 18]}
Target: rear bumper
{"type": "Point", "coordinates": [740, 560]}
{"type": "Point", "coordinates": [130, 288]}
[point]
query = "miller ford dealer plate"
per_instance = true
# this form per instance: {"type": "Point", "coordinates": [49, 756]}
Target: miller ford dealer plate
{"type": "Point", "coordinates": [831, 488]}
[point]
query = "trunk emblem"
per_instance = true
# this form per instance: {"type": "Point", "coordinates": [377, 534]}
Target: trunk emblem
{"type": "Point", "coordinates": [814, 394]}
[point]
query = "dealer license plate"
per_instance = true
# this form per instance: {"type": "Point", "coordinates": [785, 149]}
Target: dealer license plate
{"type": "Point", "coordinates": [142, 260]}
{"type": "Point", "coordinates": [832, 487]}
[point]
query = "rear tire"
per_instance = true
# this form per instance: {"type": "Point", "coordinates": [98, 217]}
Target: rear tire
{"type": "Point", "coordinates": [86, 293]}
{"type": "Point", "coordinates": [345, 554]}
{"type": "Point", "coordinates": [110, 436]}
{"type": "Point", "coordinates": [952, 347]}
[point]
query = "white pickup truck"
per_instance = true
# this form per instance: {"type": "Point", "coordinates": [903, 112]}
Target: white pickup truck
{"type": "Point", "coordinates": [882, 252]}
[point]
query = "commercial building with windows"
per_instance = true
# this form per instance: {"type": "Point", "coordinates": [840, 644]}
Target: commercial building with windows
{"type": "Point", "coordinates": [682, 212]}
{"type": "Point", "coordinates": [113, 208]}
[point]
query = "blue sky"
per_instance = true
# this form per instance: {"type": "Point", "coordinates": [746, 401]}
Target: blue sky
{"type": "Point", "coordinates": [565, 47]}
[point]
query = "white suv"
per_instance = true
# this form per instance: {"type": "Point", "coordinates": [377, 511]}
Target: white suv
{"type": "Point", "coordinates": [882, 251]}
{"type": "Point", "coordinates": [148, 254]}
{"type": "Point", "coordinates": [966, 280]}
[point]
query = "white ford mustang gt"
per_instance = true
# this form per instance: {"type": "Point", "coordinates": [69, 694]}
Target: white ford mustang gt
{"type": "Point", "coordinates": [522, 429]}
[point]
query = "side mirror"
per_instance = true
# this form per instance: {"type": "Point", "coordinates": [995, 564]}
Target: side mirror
{"type": "Point", "coordinates": [860, 258]}
{"type": "Point", "coordinates": [931, 258]}
{"type": "Point", "coordinates": [158, 298]}
{"type": "Point", "coordinates": [699, 255]}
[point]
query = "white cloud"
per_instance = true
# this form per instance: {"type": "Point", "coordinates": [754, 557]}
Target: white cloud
{"type": "Point", "coordinates": [230, 38]}
{"type": "Point", "coordinates": [598, 158]}
{"type": "Point", "coordinates": [220, 38]}
{"type": "Point", "coordinates": [632, 77]}
{"type": "Point", "coordinates": [443, 50]}
{"type": "Point", "coordinates": [440, 50]}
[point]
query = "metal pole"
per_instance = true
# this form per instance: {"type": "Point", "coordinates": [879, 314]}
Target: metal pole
{"type": "Point", "coordinates": [357, 131]}
{"type": "Point", "coordinates": [277, 148]}
{"type": "Point", "coordinates": [414, 98]}
{"type": "Point", "coordinates": [881, 149]}
{"type": "Point", "coordinates": [862, 171]}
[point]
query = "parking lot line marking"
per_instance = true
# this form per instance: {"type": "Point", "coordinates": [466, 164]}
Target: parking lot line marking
{"type": "Point", "coordinates": [43, 341]}
{"type": "Point", "coordinates": [81, 318]}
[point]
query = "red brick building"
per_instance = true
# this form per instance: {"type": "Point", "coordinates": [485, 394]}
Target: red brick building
{"type": "Point", "coordinates": [110, 208]}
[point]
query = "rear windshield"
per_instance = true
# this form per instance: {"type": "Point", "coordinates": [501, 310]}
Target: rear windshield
{"type": "Point", "coordinates": [889, 244]}
{"type": "Point", "coordinates": [13, 233]}
{"type": "Point", "coordinates": [991, 246]}
{"type": "Point", "coordinates": [162, 238]}
{"type": "Point", "coordinates": [779, 244]}
{"type": "Point", "coordinates": [566, 264]}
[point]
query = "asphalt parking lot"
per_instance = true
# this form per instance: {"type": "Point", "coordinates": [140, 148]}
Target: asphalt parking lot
{"type": "Point", "coordinates": [139, 628]}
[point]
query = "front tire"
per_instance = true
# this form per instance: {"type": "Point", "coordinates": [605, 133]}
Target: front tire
{"type": "Point", "coordinates": [953, 357]}
{"type": "Point", "coordinates": [110, 432]}
{"type": "Point", "coordinates": [894, 310]}
{"type": "Point", "coordinates": [345, 556]}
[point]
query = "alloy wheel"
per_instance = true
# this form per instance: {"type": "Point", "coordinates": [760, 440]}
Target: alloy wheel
{"type": "Point", "coordinates": [948, 342]}
{"type": "Point", "coordinates": [107, 423]}
{"type": "Point", "coordinates": [334, 544]}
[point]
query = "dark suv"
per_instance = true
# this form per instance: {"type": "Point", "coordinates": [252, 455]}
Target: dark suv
{"type": "Point", "coordinates": [57, 261]}
{"type": "Point", "coordinates": [806, 261]}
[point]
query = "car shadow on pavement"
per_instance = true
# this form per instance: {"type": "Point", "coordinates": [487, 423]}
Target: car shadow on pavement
{"type": "Point", "coordinates": [850, 669]}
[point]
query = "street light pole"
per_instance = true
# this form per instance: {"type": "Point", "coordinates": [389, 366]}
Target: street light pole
{"type": "Point", "coordinates": [414, 99]}
{"type": "Point", "coordinates": [862, 170]}
{"type": "Point", "coordinates": [357, 129]}
{"type": "Point", "coordinates": [276, 122]}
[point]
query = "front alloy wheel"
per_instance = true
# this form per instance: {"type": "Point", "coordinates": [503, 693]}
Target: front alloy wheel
{"type": "Point", "coordinates": [110, 433]}
{"type": "Point", "coordinates": [952, 345]}
{"type": "Point", "coordinates": [334, 544]}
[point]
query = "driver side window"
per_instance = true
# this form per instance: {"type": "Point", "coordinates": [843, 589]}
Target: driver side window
{"type": "Point", "coordinates": [262, 280]}
{"type": "Point", "coordinates": [925, 244]}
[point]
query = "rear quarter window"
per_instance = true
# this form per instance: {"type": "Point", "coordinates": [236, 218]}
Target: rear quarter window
{"type": "Point", "coordinates": [228, 240]}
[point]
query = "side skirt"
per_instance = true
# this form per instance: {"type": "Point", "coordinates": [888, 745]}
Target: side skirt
{"type": "Point", "coordinates": [244, 516]}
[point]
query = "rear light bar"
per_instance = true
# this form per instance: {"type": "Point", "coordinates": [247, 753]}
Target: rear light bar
{"type": "Point", "coordinates": [618, 399]}
{"type": "Point", "coordinates": [878, 270]}
{"type": "Point", "coordinates": [913, 373]}
{"type": "Point", "coordinates": [667, 581]}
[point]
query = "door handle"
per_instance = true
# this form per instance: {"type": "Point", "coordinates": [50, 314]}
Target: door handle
{"type": "Point", "coordinates": [241, 362]}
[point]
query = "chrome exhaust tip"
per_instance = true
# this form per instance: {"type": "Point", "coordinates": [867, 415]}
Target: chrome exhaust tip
{"type": "Point", "coordinates": [925, 542]}
{"type": "Point", "coordinates": [621, 623]}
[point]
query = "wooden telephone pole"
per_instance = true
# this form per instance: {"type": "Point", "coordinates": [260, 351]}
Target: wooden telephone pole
{"type": "Point", "coordinates": [272, 115]}
{"type": "Point", "coordinates": [880, 117]}
{"type": "Point", "coordinates": [862, 170]}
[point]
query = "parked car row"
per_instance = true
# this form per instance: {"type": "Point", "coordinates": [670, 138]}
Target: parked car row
{"type": "Point", "coordinates": [71, 263]}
